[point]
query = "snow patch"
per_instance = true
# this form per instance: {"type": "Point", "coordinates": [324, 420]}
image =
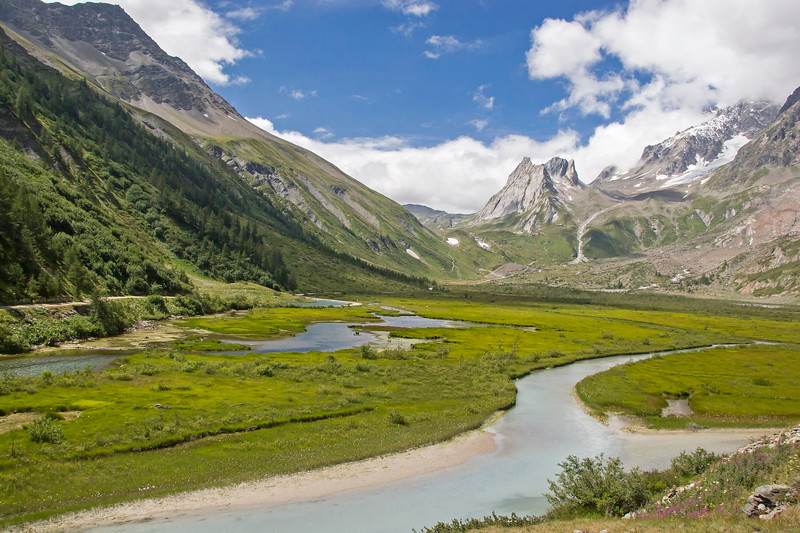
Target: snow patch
{"type": "Point", "coordinates": [413, 254]}
{"type": "Point", "coordinates": [452, 241]}
{"type": "Point", "coordinates": [729, 151]}
{"type": "Point", "coordinates": [482, 244]}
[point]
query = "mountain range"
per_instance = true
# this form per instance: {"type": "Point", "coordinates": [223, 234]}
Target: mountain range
{"type": "Point", "coordinates": [715, 205]}
{"type": "Point", "coordinates": [122, 171]}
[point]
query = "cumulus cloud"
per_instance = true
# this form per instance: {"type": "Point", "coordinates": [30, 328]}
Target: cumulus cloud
{"type": "Point", "coordinates": [695, 53]}
{"type": "Point", "coordinates": [191, 31]}
{"type": "Point", "coordinates": [448, 44]}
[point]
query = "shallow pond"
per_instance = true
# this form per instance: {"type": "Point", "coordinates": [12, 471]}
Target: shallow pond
{"type": "Point", "coordinates": [323, 337]}
{"type": "Point", "coordinates": [546, 425]}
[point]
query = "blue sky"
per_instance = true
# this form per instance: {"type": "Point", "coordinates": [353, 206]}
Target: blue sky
{"type": "Point", "coordinates": [360, 69]}
{"type": "Point", "coordinates": [437, 101]}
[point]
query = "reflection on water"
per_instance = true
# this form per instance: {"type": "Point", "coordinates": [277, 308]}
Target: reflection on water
{"type": "Point", "coordinates": [323, 337]}
{"type": "Point", "coordinates": [335, 336]}
{"type": "Point", "coordinates": [63, 361]}
{"type": "Point", "coordinates": [545, 426]}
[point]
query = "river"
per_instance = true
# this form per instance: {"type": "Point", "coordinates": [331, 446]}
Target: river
{"type": "Point", "coordinates": [546, 425]}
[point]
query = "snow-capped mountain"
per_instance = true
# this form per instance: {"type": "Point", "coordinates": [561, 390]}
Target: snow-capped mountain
{"type": "Point", "coordinates": [692, 153]}
{"type": "Point", "coordinates": [540, 194]}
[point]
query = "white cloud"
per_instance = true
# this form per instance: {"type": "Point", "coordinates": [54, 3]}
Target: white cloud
{"type": "Point", "coordinates": [245, 13]}
{"type": "Point", "coordinates": [479, 124]}
{"type": "Point", "coordinates": [191, 31]}
{"type": "Point", "coordinates": [416, 8]}
{"type": "Point", "coordinates": [298, 94]}
{"type": "Point", "coordinates": [483, 100]}
{"type": "Point", "coordinates": [448, 44]}
{"type": "Point", "coordinates": [696, 53]}
{"type": "Point", "coordinates": [323, 133]}
{"type": "Point", "coordinates": [408, 28]}
{"type": "Point", "coordinates": [459, 175]}
{"type": "Point", "coordinates": [561, 48]}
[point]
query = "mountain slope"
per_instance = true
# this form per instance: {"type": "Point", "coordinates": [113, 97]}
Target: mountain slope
{"type": "Point", "coordinates": [91, 199]}
{"type": "Point", "coordinates": [102, 43]}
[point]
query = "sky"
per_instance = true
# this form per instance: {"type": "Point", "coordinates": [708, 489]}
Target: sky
{"type": "Point", "coordinates": [435, 102]}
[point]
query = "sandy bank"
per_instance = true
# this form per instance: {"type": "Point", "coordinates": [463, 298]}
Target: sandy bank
{"type": "Point", "coordinates": [295, 487]}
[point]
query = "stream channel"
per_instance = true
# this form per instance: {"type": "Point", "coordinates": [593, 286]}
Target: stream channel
{"type": "Point", "coordinates": [545, 426]}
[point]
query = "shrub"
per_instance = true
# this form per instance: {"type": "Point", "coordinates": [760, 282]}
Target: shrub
{"type": "Point", "coordinates": [595, 486]}
{"type": "Point", "coordinates": [147, 369]}
{"type": "Point", "coordinates": [395, 417]}
{"type": "Point", "coordinates": [45, 429]}
{"type": "Point", "coordinates": [693, 464]}
{"type": "Point", "coordinates": [367, 352]}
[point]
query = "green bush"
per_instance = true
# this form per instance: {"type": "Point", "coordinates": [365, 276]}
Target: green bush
{"type": "Point", "coordinates": [367, 352]}
{"type": "Point", "coordinates": [45, 429]}
{"type": "Point", "coordinates": [693, 464]}
{"type": "Point", "coordinates": [595, 486]}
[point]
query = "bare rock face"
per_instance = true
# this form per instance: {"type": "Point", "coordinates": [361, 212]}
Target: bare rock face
{"type": "Point", "coordinates": [538, 192]}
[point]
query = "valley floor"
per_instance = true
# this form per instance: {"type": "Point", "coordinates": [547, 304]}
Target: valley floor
{"type": "Point", "coordinates": [304, 486]}
{"type": "Point", "coordinates": [315, 484]}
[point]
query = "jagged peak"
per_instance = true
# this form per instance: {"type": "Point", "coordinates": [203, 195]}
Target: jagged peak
{"type": "Point", "coordinates": [557, 170]}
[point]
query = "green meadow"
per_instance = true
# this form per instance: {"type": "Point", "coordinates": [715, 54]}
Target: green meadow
{"type": "Point", "coordinates": [754, 385]}
{"type": "Point", "coordinates": [177, 417]}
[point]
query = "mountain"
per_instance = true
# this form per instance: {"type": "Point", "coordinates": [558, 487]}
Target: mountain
{"type": "Point", "coordinates": [694, 214]}
{"type": "Point", "coordinates": [533, 196]}
{"type": "Point", "coordinates": [692, 153]}
{"type": "Point", "coordinates": [715, 206]}
{"type": "Point", "coordinates": [320, 228]}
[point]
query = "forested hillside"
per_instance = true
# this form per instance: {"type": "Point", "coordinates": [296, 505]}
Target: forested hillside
{"type": "Point", "coordinates": [92, 199]}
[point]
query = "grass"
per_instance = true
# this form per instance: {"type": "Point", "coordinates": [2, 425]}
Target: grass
{"type": "Point", "coordinates": [173, 419]}
{"type": "Point", "coordinates": [754, 385]}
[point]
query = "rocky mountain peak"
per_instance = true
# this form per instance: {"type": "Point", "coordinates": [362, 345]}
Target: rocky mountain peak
{"type": "Point", "coordinates": [793, 99]}
{"type": "Point", "coordinates": [538, 191]}
{"type": "Point", "coordinates": [777, 145]}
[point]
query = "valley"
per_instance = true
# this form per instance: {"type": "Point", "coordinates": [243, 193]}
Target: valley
{"type": "Point", "coordinates": [196, 312]}
{"type": "Point", "coordinates": [170, 403]}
